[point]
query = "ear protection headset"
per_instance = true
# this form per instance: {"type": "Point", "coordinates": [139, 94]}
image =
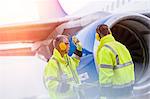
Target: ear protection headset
{"type": "Point", "coordinates": [98, 37]}
{"type": "Point", "coordinates": [97, 34]}
{"type": "Point", "coordinates": [62, 46]}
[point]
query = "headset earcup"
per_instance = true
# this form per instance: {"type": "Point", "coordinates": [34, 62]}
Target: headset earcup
{"type": "Point", "coordinates": [97, 37]}
{"type": "Point", "coordinates": [62, 46]}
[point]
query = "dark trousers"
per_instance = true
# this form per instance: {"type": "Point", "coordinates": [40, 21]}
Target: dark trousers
{"type": "Point", "coordinates": [116, 93]}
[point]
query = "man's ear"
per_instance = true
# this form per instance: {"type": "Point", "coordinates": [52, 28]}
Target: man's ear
{"type": "Point", "coordinates": [67, 36]}
{"type": "Point", "coordinates": [97, 37]}
{"type": "Point", "coordinates": [54, 42]}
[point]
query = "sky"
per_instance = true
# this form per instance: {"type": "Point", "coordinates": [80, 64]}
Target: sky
{"type": "Point", "coordinates": [12, 11]}
{"type": "Point", "coordinates": [20, 11]}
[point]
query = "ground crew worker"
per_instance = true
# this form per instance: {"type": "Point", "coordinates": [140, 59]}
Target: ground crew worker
{"type": "Point", "coordinates": [115, 65]}
{"type": "Point", "coordinates": [60, 73]}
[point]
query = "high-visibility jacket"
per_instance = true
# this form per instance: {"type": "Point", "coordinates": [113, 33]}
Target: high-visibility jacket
{"type": "Point", "coordinates": [115, 66]}
{"type": "Point", "coordinates": [61, 69]}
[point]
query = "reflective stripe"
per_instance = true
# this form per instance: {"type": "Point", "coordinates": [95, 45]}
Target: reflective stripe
{"type": "Point", "coordinates": [60, 74]}
{"type": "Point", "coordinates": [117, 58]}
{"type": "Point", "coordinates": [116, 67]}
{"type": "Point", "coordinates": [51, 79]}
{"type": "Point", "coordinates": [106, 66]}
{"type": "Point", "coordinates": [123, 65]}
{"type": "Point", "coordinates": [55, 79]}
{"type": "Point", "coordinates": [117, 86]}
{"type": "Point", "coordinates": [72, 71]}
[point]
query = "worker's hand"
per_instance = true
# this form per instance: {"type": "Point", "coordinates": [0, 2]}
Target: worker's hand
{"type": "Point", "coordinates": [77, 43]}
{"type": "Point", "coordinates": [63, 87]}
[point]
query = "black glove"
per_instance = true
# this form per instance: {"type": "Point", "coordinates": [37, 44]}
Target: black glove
{"type": "Point", "coordinates": [77, 43]}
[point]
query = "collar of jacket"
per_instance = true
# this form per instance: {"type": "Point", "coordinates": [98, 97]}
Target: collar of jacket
{"type": "Point", "coordinates": [58, 56]}
{"type": "Point", "coordinates": [106, 39]}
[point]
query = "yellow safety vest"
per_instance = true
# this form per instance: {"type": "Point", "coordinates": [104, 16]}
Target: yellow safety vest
{"type": "Point", "coordinates": [116, 69]}
{"type": "Point", "coordinates": [61, 68]}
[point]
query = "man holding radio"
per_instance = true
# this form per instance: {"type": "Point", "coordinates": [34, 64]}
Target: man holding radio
{"type": "Point", "coordinates": [60, 74]}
